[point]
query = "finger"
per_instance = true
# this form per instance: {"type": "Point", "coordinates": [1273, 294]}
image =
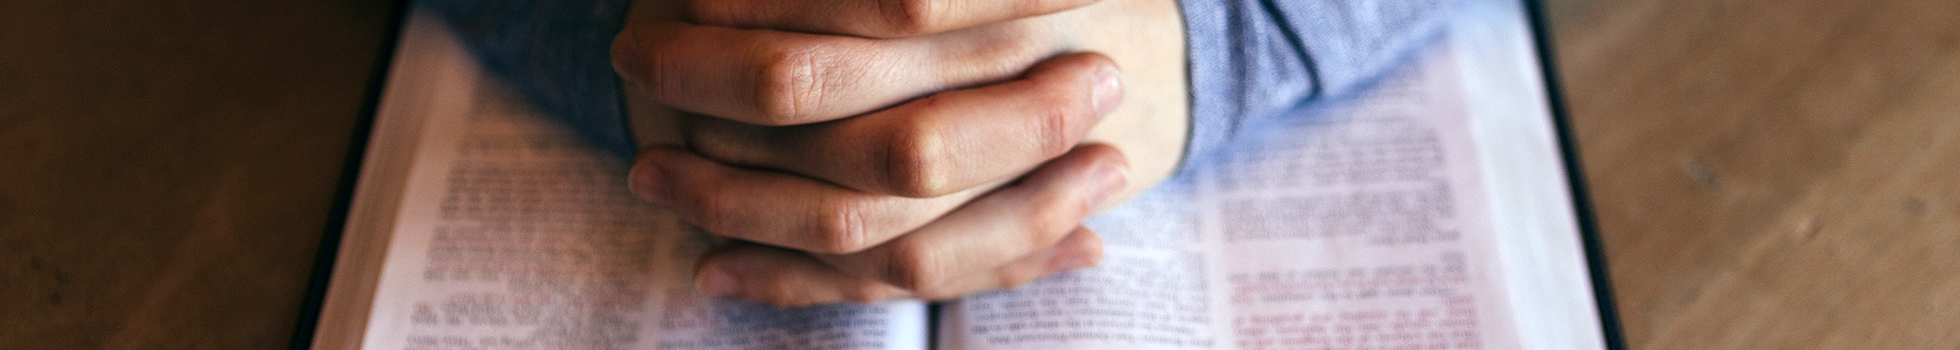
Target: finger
{"type": "Point", "coordinates": [1010, 223]}
{"type": "Point", "coordinates": [779, 209]}
{"type": "Point", "coordinates": [768, 77]}
{"type": "Point", "coordinates": [787, 278]}
{"type": "Point", "coordinates": [870, 18]}
{"type": "Point", "coordinates": [1080, 249]}
{"type": "Point", "coordinates": [944, 143]}
{"type": "Point", "coordinates": [782, 277]}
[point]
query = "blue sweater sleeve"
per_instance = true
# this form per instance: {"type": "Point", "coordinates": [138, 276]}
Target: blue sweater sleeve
{"type": "Point", "coordinates": [556, 53]}
{"type": "Point", "coordinates": [1254, 60]}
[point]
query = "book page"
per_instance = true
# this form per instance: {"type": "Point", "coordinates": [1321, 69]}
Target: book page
{"type": "Point", "coordinates": [1364, 227]}
{"type": "Point", "coordinates": [1151, 290]}
{"type": "Point", "coordinates": [1341, 228]}
{"type": "Point", "coordinates": [1428, 212]}
{"type": "Point", "coordinates": [514, 234]}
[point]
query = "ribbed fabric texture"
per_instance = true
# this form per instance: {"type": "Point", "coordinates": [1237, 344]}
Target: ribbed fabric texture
{"type": "Point", "coordinates": [1254, 60]}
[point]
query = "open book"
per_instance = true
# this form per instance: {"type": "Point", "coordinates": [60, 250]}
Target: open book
{"type": "Point", "coordinates": [1435, 211]}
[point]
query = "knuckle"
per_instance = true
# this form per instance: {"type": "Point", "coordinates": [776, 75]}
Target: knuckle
{"type": "Point", "coordinates": [656, 72]}
{"type": "Point", "coordinates": [914, 163]}
{"type": "Point", "coordinates": [913, 267]}
{"type": "Point", "coordinates": [1051, 125]}
{"type": "Point", "coordinates": [911, 17]}
{"type": "Point", "coordinates": [790, 83]}
{"type": "Point", "coordinates": [840, 227]}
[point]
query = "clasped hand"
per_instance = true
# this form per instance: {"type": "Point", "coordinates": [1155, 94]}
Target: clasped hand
{"type": "Point", "coordinates": [864, 150]}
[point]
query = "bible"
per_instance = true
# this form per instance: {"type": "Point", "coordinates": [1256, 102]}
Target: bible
{"type": "Point", "coordinates": [1440, 209]}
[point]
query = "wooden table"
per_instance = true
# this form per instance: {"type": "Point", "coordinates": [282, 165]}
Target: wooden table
{"type": "Point", "coordinates": [167, 167]}
{"type": "Point", "coordinates": [1774, 174]}
{"type": "Point", "coordinates": [1768, 174]}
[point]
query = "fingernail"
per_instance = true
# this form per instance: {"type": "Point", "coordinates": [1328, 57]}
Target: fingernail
{"type": "Point", "coordinates": [1109, 90]}
{"type": "Point", "coordinates": [644, 180]}
{"type": "Point", "coordinates": [1110, 180]}
{"type": "Point", "coordinates": [625, 54]}
{"type": "Point", "coordinates": [715, 281]}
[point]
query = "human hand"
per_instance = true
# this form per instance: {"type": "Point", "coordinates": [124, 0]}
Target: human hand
{"type": "Point", "coordinates": [877, 240]}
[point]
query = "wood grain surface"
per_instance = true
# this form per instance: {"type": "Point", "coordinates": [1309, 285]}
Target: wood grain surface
{"type": "Point", "coordinates": [1769, 174]}
{"type": "Point", "coordinates": [1773, 174]}
{"type": "Point", "coordinates": [167, 167]}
